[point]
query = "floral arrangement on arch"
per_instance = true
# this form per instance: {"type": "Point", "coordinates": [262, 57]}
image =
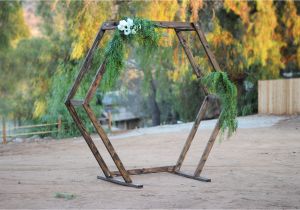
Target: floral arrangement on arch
{"type": "Point", "coordinates": [128, 27]}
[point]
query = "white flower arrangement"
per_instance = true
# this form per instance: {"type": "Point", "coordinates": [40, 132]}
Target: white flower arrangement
{"type": "Point", "coordinates": [128, 27]}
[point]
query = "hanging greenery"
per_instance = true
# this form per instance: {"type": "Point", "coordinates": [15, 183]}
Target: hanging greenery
{"type": "Point", "coordinates": [135, 30]}
{"type": "Point", "coordinates": [219, 84]}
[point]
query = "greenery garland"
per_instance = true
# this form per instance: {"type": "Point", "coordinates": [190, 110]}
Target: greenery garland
{"type": "Point", "coordinates": [144, 34]}
{"type": "Point", "coordinates": [219, 84]}
{"type": "Point", "coordinates": [137, 30]}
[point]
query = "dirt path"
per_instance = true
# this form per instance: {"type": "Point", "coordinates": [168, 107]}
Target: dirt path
{"type": "Point", "coordinates": [257, 168]}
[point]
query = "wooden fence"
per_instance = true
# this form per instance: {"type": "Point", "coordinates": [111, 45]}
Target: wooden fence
{"type": "Point", "coordinates": [26, 130]}
{"type": "Point", "coordinates": [280, 96]}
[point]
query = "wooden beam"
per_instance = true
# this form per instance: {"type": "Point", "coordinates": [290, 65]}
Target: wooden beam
{"type": "Point", "coordinates": [190, 56]}
{"type": "Point", "coordinates": [192, 133]}
{"type": "Point", "coordinates": [204, 43]}
{"type": "Point", "coordinates": [85, 66]}
{"type": "Point", "coordinates": [95, 83]}
{"type": "Point", "coordinates": [189, 53]}
{"type": "Point", "coordinates": [146, 170]}
{"type": "Point", "coordinates": [89, 141]}
{"type": "Point", "coordinates": [183, 26]}
{"type": "Point", "coordinates": [107, 143]}
{"type": "Point", "coordinates": [207, 149]}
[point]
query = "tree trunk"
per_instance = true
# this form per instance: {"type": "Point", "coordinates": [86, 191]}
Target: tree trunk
{"type": "Point", "coordinates": [153, 104]}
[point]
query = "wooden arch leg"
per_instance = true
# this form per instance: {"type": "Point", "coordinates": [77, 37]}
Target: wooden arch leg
{"type": "Point", "coordinates": [189, 140]}
{"type": "Point", "coordinates": [192, 133]}
{"type": "Point", "coordinates": [89, 141]}
{"type": "Point", "coordinates": [207, 149]}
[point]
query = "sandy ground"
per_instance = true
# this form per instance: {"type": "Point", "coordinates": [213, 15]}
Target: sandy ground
{"type": "Point", "coordinates": [256, 168]}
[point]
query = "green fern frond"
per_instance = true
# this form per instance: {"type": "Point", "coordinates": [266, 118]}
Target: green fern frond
{"type": "Point", "coordinates": [219, 84]}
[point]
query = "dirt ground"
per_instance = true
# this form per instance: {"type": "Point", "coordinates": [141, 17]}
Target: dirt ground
{"type": "Point", "coordinates": [256, 168]}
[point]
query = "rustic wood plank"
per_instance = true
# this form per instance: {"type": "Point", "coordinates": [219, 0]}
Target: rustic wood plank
{"type": "Point", "coordinates": [189, 53]}
{"type": "Point", "coordinates": [184, 26]}
{"type": "Point", "coordinates": [86, 65]}
{"type": "Point", "coordinates": [89, 141]}
{"type": "Point", "coordinates": [190, 56]}
{"type": "Point", "coordinates": [119, 182]}
{"type": "Point", "coordinates": [107, 144]}
{"type": "Point", "coordinates": [95, 83]}
{"type": "Point", "coordinates": [280, 96]}
{"type": "Point", "coordinates": [138, 171]}
{"type": "Point", "coordinates": [208, 148]}
{"type": "Point", "coordinates": [192, 133]}
{"type": "Point", "coordinates": [204, 43]}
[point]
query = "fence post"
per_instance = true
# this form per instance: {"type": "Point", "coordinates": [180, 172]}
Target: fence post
{"type": "Point", "coordinates": [3, 131]}
{"type": "Point", "coordinates": [59, 123]}
{"type": "Point", "coordinates": [109, 120]}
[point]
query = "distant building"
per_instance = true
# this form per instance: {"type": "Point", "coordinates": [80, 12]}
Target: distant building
{"type": "Point", "coordinates": [123, 117]}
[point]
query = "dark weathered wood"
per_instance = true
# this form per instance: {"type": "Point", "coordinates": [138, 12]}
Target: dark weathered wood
{"type": "Point", "coordinates": [85, 66]}
{"type": "Point", "coordinates": [204, 43]}
{"type": "Point", "coordinates": [190, 56]}
{"type": "Point", "coordinates": [146, 170]}
{"type": "Point", "coordinates": [192, 133]}
{"type": "Point", "coordinates": [76, 102]}
{"type": "Point", "coordinates": [183, 26]}
{"type": "Point", "coordinates": [199, 178]}
{"type": "Point", "coordinates": [89, 141]}
{"type": "Point", "coordinates": [107, 144]}
{"type": "Point", "coordinates": [119, 182]}
{"type": "Point", "coordinates": [189, 53]}
{"type": "Point", "coordinates": [95, 83]}
{"type": "Point", "coordinates": [207, 149]}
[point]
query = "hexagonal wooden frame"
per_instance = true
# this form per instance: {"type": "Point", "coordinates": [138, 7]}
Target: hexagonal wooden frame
{"type": "Point", "coordinates": [70, 103]}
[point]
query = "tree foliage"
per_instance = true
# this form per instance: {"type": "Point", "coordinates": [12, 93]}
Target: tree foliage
{"type": "Point", "coordinates": [252, 40]}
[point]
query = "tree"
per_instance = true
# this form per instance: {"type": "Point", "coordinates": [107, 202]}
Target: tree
{"type": "Point", "coordinates": [12, 30]}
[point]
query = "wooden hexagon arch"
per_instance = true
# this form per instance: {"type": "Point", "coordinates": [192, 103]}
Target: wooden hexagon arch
{"type": "Point", "coordinates": [175, 169]}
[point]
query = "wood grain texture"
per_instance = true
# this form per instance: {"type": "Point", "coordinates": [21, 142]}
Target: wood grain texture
{"type": "Point", "coordinates": [89, 141]}
{"type": "Point", "coordinates": [281, 96]}
{"type": "Point", "coordinates": [85, 66]}
{"type": "Point", "coordinates": [95, 83]}
{"type": "Point", "coordinates": [184, 26]}
{"type": "Point", "coordinates": [107, 144]}
{"type": "Point", "coordinates": [190, 56]}
{"type": "Point", "coordinates": [192, 133]}
{"type": "Point", "coordinates": [204, 43]}
{"type": "Point", "coordinates": [138, 171]}
{"type": "Point", "coordinates": [207, 149]}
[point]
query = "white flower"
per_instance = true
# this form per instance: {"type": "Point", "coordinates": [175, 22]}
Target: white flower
{"type": "Point", "coordinates": [127, 31]}
{"type": "Point", "coordinates": [128, 26]}
{"type": "Point", "coordinates": [122, 25]}
{"type": "Point", "coordinates": [129, 22]}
